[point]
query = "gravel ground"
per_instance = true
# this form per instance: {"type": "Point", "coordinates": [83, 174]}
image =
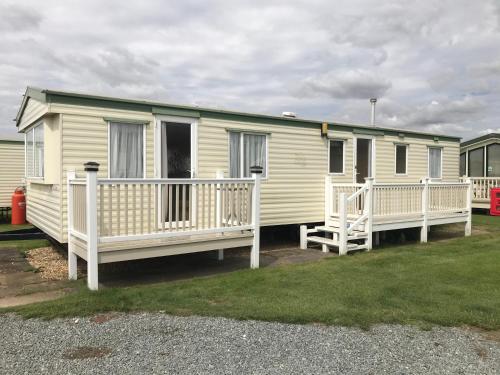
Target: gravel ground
{"type": "Point", "coordinates": [158, 343]}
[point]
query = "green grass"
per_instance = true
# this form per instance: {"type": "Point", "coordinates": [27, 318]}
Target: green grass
{"type": "Point", "coordinates": [22, 246]}
{"type": "Point", "coordinates": [491, 222]}
{"type": "Point", "coordinates": [451, 283]}
{"type": "Point", "coordinates": [4, 227]}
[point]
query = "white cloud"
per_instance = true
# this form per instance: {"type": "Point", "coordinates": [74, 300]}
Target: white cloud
{"type": "Point", "coordinates": [489, 131]}
{"type": "Point", "coordinates": [319, 58]}
{"type": "Point", "coordinates": [352, 84]}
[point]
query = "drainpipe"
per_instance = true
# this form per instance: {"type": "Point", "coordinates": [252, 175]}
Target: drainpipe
{"type": "Point", "coordinates": [373, 101]}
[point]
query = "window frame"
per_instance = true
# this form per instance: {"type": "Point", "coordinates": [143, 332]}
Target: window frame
{"type": "Point", "coordinates": [33, 153]}
{"type": "Point", "coordinates": [483, 151]}
{"type": "Point", "coordinates": [466, 172]}
{"type": "Point", "coordinates": [440, 161]}
{"type": "Point", "coordinates": [344, 141]}
{"type": "Point", "coordinates": [241, 133]}
{"type": "Point", "coordinates": [406, 146]}
{"type": "Point", "coordinates": [144, 158]}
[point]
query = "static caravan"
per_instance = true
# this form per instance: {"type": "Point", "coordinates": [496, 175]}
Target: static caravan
{"type": "Point", "coordinates": [167, 179]}
{"type": "Point", "coordinates": [11, 170]}
{"type": "Point", "coordinates": [480, 160]}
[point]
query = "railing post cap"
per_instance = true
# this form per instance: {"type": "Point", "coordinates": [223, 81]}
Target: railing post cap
{"type": "Point", "coordinates": [256, 169]}
{"type": "Point", "coordinates": [91, 166]}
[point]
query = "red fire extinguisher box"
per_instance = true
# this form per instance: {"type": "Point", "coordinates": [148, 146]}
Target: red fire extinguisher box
{"type": "Point", "coordinates": [18, 207]}
{"type": "Point", "coordinates": [495, 202]}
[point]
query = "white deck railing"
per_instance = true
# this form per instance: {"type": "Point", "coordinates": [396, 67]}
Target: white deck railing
{"type": "Point", "coordinates": [482, 187]}
{"type": "Point", "coordinates": [115, 210]}
{"type": "Point", "coordinates": [356, 205]}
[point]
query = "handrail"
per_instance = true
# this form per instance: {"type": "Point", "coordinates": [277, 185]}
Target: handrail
{"type": "Point", "coordinates": [173, 181]}
{"type": "Point", "coordinates": [360, 220]}
{"type": "Point", "coordinates": [112, 210]}
{"type": "Point", "coordinates": [481, 178]}
{"type": "Point", "coordinates": [373, 200]}
{"type": "Point", "coordinates": [347, 185]}
{"type": "Point", "coordinates": [164, 181]}
{"type": "Point", "coordinates": [359, 192]}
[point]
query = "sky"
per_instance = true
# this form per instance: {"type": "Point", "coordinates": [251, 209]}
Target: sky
{"type": "Point", "coordinates": [433, 65]}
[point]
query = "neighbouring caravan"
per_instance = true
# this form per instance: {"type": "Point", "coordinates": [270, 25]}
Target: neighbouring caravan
{"type": "Point", "coordinates": [172, 178]}
{"type": "Point", "coordinates": [480, 160]}
{"type": "Point", "coordinates": [11, 169]}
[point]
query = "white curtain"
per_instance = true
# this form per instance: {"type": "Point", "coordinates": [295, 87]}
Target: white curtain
{"type": "Point", "coordinates": [126, 151]}
{"type": "Point", "coordinates": [254, 149]}
{"type": "Point", "coordinates": [38, 151]}
{"type": "Point", "coordinates": [434, 162]}
{"type": "Point", "coordinates": [234, 155]}
{"type": "Point", "coordinates": [29, 153]}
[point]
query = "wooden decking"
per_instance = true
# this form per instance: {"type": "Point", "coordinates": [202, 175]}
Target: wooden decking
{"type": "Point", "coordinates": [354, 212]}
{"type": "Point", "coordinates": [141, 249]}
{"type": "Point", "coordinates": [113, 220]}
{"type": "Point", "coordinates": [481, 190]}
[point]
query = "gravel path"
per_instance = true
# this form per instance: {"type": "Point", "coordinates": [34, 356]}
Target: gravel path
{"type": "Point", "coordinates": [158, 343]}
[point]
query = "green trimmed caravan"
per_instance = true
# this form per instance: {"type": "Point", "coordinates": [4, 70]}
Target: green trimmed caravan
{"type": "Point", "coordinates": [170, 178]}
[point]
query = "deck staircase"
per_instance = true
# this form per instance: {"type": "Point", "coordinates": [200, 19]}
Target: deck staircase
{"type": "Point", "coordinates": [349, 228]}
{"type": "Point", "coordinates": [328, 237]}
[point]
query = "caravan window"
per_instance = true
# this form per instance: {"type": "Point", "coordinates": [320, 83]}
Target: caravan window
{"type": "Point", "coordinates": [435, 162]}
{"type": "Point", "coordinates": [401, 159]}
{"type": "Point", "coordinates": [126, 150]}
{"type": "Point", "coordinates": [246, 150]}
{"type": "Point", "coordinates": [493, 153]}
{"type": "Point", "coordinates": [34, 151]}
{"type": "Point", "coordinates": [336, 163]}
{"type": "Point", "coordinates": [463, 163]}
{"type": "Point", "coordinates": [476, 163]}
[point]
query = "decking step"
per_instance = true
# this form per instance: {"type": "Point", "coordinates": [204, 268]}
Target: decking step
{"type": "Point", "coordinates": [322, 240]}
{"type": "Point", "coordinates": [351, 247]}
{"type": "Point", "coordinates": [355, 235]}
{"type": "Point", "coordinates": [323, 228]}
{"type": "Point", "coordinates": [331, 242]}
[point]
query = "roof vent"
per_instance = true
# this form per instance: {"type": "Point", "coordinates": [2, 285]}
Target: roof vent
{"type": "Point", "coordinates": [289, 114]}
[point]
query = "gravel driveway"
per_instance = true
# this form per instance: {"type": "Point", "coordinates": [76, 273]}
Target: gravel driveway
{"type": "Point", "coordinates": [158, 343]}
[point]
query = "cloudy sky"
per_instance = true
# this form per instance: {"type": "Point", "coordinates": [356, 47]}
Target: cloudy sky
{"type": "Point", "coordinates": [434, 65]}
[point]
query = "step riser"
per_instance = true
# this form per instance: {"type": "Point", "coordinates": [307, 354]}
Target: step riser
{"type": "Point", "coordinates": [326, 242]}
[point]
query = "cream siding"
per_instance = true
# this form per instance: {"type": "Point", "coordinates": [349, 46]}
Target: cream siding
{"type": "Point", "coordinates": [293, 192]}
{"type": "Point", "coordinates": [43, 207]}
{"type": "Point", "coordinates": [298, 162]}
{"type": "Point", "coordinates": [85, 138]}
{"type": "Point", "coordinates": [43, 195]}
{"type": "Point", "coordinates": [11, 169]}
{"type": "Point", "coordinates": [34, 111]}
{"type": "Point", "coordinates": [417, 167]}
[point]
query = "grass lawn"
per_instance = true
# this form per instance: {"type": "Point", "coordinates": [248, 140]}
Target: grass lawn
{"type": "Point", "coordinates": [5, 227]}
{"type": "Point", "coordinates": [452, 283]}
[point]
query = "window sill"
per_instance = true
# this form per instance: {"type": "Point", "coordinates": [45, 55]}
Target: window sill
{"type": "Point", "coordinates": [336, 174]}
{"type": "Point", "coordinates": [401, 175]}
{"type": "Point", "coordinates": [37, 181]}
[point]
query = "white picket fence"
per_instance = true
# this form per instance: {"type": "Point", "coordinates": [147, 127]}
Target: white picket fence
{"type": "Point", "coordinates": [482, 186]}
{"type": "Point", "coordinates": [360, 205]}
{"type": "Point", "coordinates": [115, 210]}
